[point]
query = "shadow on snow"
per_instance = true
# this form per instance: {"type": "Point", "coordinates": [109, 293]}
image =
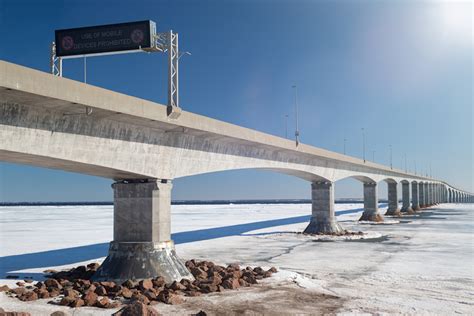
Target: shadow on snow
{"type": "Point", "coordinates": [59, 257]}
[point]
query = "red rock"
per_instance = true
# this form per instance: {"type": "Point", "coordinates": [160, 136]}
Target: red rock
{"type": "Point", "coordinates": [126, 293]}
{"type": "Point", "coordinates": [103, 303]}
{"type": "Point", "coordinates": [53, 292]}
{"type": "Point", "coordinates": [4, 288]}
{"type": "Point", "coordinates": [199, 274]}
{"type": "Point", "coordinates": [136, 309]}
{"type": "Point", "coordinates": [273, 270]}
{"type": "Point", "coordinates": [231, 284]}
{"type": "Point", "coordinates": [130, 284]}
{"type": "Point", "coordinates": [43, 293]}
{"type": "Point", "coordinates": [193, 293]}
{"type": "Point", "coordinates": [18, 290]}
{"type": "Point", "coordinates": [242, 282]}
{"type": "Point", "coordinates": [150, 295]}
{"type": "Point", "coordinates": [101, 291]}
{"type": "Point", "coordinates": [208, 288]}
{"type": "Point", "coordinates": [71, 293]}
{"type": "Point", "coordinates": [28, 296]}
{"type": "Point", "coordinates": [108, 285]}
{"type": "Point", "coordinates": [77, 302]}
{"type": "Point", "coordinates": [158, 282]}
{"type": "Point", "coordinates": [52, 283]}
{"type": "Point", "coordinates": [267, 274]}
{"type": "Point", "coordinates": [174, 299]}
{"type": "Point", "coordinates": [177, 286]}
{"type": "Point", "coordinates": [90, 298]}
{"type": "Point", "coordinates": [145, 284]}
{"type": "Point", "coordinates": [65, 301]}
{"type": "Point", "coordinates": [140, 298]}
{"type": "Point", "coordinates": [20, 284]}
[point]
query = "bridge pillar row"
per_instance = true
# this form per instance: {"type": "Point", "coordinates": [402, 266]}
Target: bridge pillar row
{"type": "Point", "coordinates": [421, 194]}
{"type": "Point", "coordinates": [323, 217]}
{"type": "Point", "coordinates": [415, 203]}
{"type": "Point", "coordinates": [142, 246]}
{"type": "Point", "coordinates": [429, 195]}
{"type": "Point", "coordinates": [406, 208]}
{"type": "Point", "coordinates": [371, 209]}
{"type": "Point", "coordinates": [392, 209]}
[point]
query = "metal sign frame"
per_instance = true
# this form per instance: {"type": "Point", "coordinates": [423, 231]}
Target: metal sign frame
{"type": "Point", "coordinates": [162, 42]}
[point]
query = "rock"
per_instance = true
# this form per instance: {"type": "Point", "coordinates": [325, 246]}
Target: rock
{"type": "Point", "coordinates": [136, 309]}
{"type": "Point", "coordinates": [101, 291]}
{"type": "Point", "coordinates": [28, 281]}
{"type": "Point", "coordinates": [59, 313]}
{"type": "Point", "coordinates": [78, 302]}
{"type": "Point", "coordinates": [71, 293]}
{"type": "Point", "coordinates": [52, 283]}
{"type": "Point", "coordinates": [66, 301]}
{"type": "Point", "coordinates": [20, 284]}
{"type": "Point", "coordinates": [231, 284]}
{"type": "Point", "coordinates": [130, 284]}
{"type": "Point", "coordinates": [40, 285]}
{"type": "Point", "coordinates": [242, 282]}
{"type": "Point", "coordinates": [150, 295]}
{"type": "Point", "coordinates": [108, 285]}
{"type": "Point", "coordinates": [103, 303]}
{"type": "Point", "coordinates": [170, 298]}
{"type": "Point", "coordinates": [126, 293]}
{"type": "Point", "coordinates": [177, 286]}
{"type": "Point", "coordinates": [193, 293]}
{"type": "Point", "coordinates": [53, 292]}
{"type": "Point", "coordinates": [42, 293]}
{"type": "Point", "coordinates": [158, 282]}
{"type": "Point", "coordinates": [140, 298]}
{"type": "Point", "coordinates": [4, 288]}
{"type": "Point", "coordinates": [267, 274]}
{"type": "Point", "coordinates": [93, 266]}
{"type": "Point", "coordinates": [28, 296]}
{"type": "Point", "coordinates": [145, 284]}
{"type": "Point", "coordinates": [273, 270]}
{"type": "Point", "coordinates": [258, 270]}
{"type": "Point", "coordinates": [200, 313]}
{"type": "Point", "coordinates": [90, 298]}
{"type": "Point", "coordinates": [18, 290]}
{"type": "Point", "coordinates": [208, 288]}
{"type": "Point", "coordinates": [199, 274]}
{"type": "Point", "coordinates": [14, 314]}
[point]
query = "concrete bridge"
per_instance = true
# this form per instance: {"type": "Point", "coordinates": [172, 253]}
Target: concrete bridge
{"type": "Point", "coordinates": [58, 123]}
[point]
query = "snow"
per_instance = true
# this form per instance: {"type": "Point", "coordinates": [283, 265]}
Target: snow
{"type": "Point", "coordinates": [422, 265]}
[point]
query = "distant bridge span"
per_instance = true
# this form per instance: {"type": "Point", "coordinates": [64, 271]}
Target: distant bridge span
{"type": "Point", "coordinates": [43, 122]}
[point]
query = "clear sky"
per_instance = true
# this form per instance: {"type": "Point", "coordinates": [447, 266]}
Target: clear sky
{"type": "Point", "coordinates": [403, 70]}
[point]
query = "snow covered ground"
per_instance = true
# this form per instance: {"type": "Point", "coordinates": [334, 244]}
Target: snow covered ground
{"type": "Point", "coordinates": [423, 265]}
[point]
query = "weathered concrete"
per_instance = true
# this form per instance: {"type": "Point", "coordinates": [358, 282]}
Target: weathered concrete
{"type": "Point", "coordinates": [142, 246]}
{"type": "Point", "coordinates": [415, 203]}
{"type": "Point", "coordinates": [406, 208]}
{"type": "Point", "coordinates": [323, 218]}
{"type": "Point", "coordinates": [371, 208]}
{"type": "Point", "coordinates": [392, 209]}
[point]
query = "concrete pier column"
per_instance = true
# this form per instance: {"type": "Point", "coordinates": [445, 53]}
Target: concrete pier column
{"type": "Point", "coordinates": [142, 246]}
{"type": "Point", "coordinates": [371, 209]}
{"type": "Point", "coordinates": [323, 218]}
{"type": "Point", "coordinates": [406, 208]}
{"type": "Point", "coordinates": [415, 203]}
{"type": "Point", "coordinates": [392, 199]}
{"type": "Point", "coordinates": [428, 194]}
{"type": "Point", "coordinates": [421, 194]}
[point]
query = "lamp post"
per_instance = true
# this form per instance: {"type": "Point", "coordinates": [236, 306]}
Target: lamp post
{"type": "Point", "coordinates": [373, 155]}
{"type": "Point", "coordinates": [345, 146]}
{"type": "Point", "coordinates": [297, 132]}
{"type": "Point", "coordinates": [363, 144]}
{"type": "Point", "coordinates": [286, 125]}
{"type": "Point", "coordinates": [391, 164]}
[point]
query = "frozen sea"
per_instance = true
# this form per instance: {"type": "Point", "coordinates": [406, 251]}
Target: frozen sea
{"type": "Point", "coordinates": [422, 265]}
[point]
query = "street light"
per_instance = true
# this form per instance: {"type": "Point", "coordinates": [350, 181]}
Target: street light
{"type": "Point", "coordinates": [391, 165]}
{"type": "Point", "coordinates": [345, 146]}
{"type": "Point", "coordinates": [363, 144]}
{"type": "Point", "coordinates": [286, 125]}
{"type": "Point", "coordinates": [373, 155]}
{"type": "Point", "coordinates": [297, 132]}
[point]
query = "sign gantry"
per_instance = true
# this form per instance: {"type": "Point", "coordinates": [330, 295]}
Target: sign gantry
{"type": "Point", "coordinates": [131, 37]}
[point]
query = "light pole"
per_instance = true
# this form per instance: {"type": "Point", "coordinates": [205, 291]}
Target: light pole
{"type": "Point", "coordinates": [406, 168]}
{"type": "Point", "coordinates": [297, 132]}
{"type": "Point", "coordinates": [286, 125]}
{"type": "Point", "coordinates": [415, 165]}
{"type": "Point", "coordinates": [363, 144]}
{"type": "Point", "coordinates": [345, 146]}
{"type": "Point", "coordinates": [373, 155]}
{"type": "Point", "coordinates": [391, 164]}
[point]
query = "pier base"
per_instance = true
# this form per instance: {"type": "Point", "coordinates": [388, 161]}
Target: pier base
{"type": "Point", "coordinates": [371, 209]}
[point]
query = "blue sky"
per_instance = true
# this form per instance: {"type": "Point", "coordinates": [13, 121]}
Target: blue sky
{"type": "Point", "coordinates": [400, 69]}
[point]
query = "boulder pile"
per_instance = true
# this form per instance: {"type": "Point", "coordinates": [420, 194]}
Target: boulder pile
{"type": "Point", "coordinates": [75, 288]}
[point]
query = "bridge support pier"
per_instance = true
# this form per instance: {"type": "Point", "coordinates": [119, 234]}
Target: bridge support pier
{"type": "Point", "coordinates": [142, 246]}
{"type": "Point", "coordinates": [392, 200]}
{"type": "Point", "coordinates": [323, 218]}
{"type": "Point", "coordinates": [371, 209]}
{"type": "Point", "coordinates": [406, 208]}
{"type": "Point", "coordinates": [415, 203]}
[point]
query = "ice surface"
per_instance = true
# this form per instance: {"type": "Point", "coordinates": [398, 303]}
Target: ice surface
{"type": "Point", "coordinates": [424, 265]}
